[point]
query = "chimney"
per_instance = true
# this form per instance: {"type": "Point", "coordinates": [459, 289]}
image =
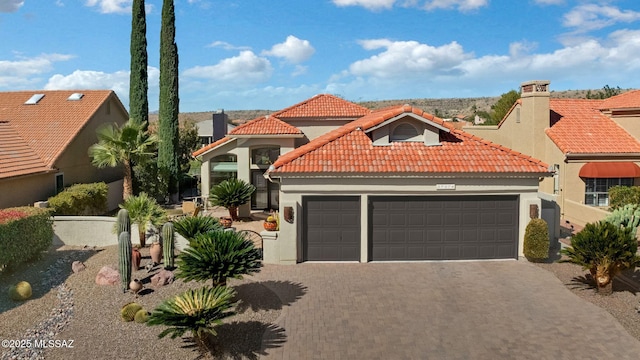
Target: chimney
{"type": "Point", "coordinates": [219, 125]}
{"type": "Point", "coordinates": [535, 115]}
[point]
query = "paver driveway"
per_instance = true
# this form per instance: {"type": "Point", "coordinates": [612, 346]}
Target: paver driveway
{"type": "Point", "coordinates": [436, 310]}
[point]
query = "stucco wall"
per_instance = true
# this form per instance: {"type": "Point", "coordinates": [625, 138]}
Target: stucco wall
{"type": "Point", "coordinates": [26, 190]}
{"type": "Point", "coordinates": [292, 190]}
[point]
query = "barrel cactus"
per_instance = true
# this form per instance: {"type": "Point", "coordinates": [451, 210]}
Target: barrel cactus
{"type": "Point", "coordinates": [168, 245]}
{"type": "Point", "coordinates": [124, 259]}
{"type": "Point", "coordinates": [128, 312]}
{"type": "Point", "coordinates": [141, 316]}
{"type": "Point", "coordinates": [20, 291]}
{"type": "Point", "coordinates": [123, 222]}
{"type": "Point", "coordinates": [627, 216]}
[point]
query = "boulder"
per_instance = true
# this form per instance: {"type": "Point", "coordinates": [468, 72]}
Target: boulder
{"type": "Point", "coordinates": [162, 278]}
{"type": "Point", "coordinates": [77, 266]}
{"type": "Point", "coordinates": [107, 276]}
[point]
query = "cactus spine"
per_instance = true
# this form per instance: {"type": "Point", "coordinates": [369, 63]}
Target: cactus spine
{"type": "Point", "coordinates": [168, 244]}
{"type": "Point", "coordinates": [124, 259]}
{"type": "Point", "coordinates": [123, 223]}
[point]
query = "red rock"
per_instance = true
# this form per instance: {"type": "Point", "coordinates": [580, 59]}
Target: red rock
{"type": "Point", "coordinates": [107, 276]}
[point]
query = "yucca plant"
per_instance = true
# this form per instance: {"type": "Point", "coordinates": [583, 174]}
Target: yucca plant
{"type": "Point", "coordinates": [196, 311]}
{"type": "Point", "coordinates": [230, 194]}
{"type": "Point", "coordinates": [191, 226]}
{"type": "Point", "coordinates": [604, 249]}
{"type": "Point", "coordinates": [217, 256]}
{"type": "Point", "coordinates": [144, 210]}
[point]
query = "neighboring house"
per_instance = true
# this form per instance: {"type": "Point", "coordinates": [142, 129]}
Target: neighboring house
{"type": "Point", "coordinates": [384, 185]}
{"type": "Point", "coordinates": [44, 139]}
{"type": "Point", "coordinates": [206, 128]}
{"type": "Point", "coordinates": [591, 146]}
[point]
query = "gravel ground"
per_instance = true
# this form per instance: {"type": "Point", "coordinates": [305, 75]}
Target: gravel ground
{"type": "Point", "coordinates": [67, 306]}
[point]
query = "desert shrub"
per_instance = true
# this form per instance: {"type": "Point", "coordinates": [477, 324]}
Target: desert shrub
{"type": "Point", "coordinates": [191, 226]}
{"type": "Point", "coordinates": [604, 249]}
{"type": "Point", "coordinates": [620, 196]}
{"type": "Point", "coordinates": [536, 240]}
{"type": "Point", "coordinates": [24, 233]}
{"type": "Point", "coordinates": [81, 199]}
{"type": "Point", "coordinates": [626, 216]}
{"type": "Point", "coordinates": [218, 255]}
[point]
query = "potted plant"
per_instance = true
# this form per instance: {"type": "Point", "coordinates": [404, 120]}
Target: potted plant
{"type": "Point", "coordinates": [271, 223]}
{"type": "Point", "coordinates": [230, 194]}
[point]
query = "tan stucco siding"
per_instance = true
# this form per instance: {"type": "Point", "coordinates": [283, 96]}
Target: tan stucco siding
{"type": "Point", "coordinates": [26, 190]}
{"type": "Point", "coordinates": [630, 123]}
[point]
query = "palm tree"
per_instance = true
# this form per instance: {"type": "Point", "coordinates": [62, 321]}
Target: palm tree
{"type": "Point", "coordinates": [123, 145]}
{"type": "Point", "coordinates": [191, 226]}
{"type": "Point", "coordinates": [231, 194]}
{"type": "Point", "coordinates": [604, 249]}
{"type": "Point", "coordinates": [144, 210]}
{"type": "Point", "coordinates": [218, 255]}
{"type": "Point", "coordinates": [197, 311]}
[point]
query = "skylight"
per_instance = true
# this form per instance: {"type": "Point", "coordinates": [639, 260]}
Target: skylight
{"type": "Point", "coordinates": [34, 99]}
{"type": "Point", "coordinates": [75, 96]}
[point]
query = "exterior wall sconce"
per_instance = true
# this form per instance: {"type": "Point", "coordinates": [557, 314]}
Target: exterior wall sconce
{"type": "Point", "coordinates": [288, 214]}
{"type": "Point", "coordinates": [533, 211]}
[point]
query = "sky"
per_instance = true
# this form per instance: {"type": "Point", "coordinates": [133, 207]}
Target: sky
{"type": "Point", "coordinates": [259, 54]}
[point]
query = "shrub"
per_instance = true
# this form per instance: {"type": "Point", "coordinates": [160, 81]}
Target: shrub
{"type": "Point", "coordinates": [626, 216]}
{"type": "Point", "coordinates": [24, 233]}
{"type": "Point", "coordinates": [81, 199]}
{"type": "Point", "coordinates": [536, 240]}
{"type": "Point", "coordinates": [144, 210]}
{"type": "Point", "coordinates": [231, 194]}
{"type": "Point", "coordinates": [217, 256]}
{"type": "Point", "coordinates": [620, 196]}
{"type": "Point", "coordinates": [196, 311]}
{"type": "Point", "coordinates": [191, 226]}
{"type": "Point", "coordinates": [604, 249]}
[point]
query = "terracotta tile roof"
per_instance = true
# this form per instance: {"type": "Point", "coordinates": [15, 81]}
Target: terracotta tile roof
{"type": "Point", "coordinates": [48, 127]}
{"type": "Point", "coordinates": [323, 106]}
{"type": "Point", "coordinates": [265, 125]}
{"type": "Point", "coordinates": [16, 157]}
{"type": "Point", "coordinates": [628, 100]}
{"type": "Point", "coordinates": [349, 149]}
{"type": "Point", "coordinates": [582, 128]}
{"type": "Point", "coordinates": [211, 146]}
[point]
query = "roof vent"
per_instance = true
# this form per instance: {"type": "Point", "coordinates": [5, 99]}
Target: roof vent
{"type": "Point", "coordinates": [75, 96]}
{"type": "Point", "coordinates": [34, 99]}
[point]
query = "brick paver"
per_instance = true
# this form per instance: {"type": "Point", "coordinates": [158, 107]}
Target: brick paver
{"type": "Point", "coordinates": [436, 310]}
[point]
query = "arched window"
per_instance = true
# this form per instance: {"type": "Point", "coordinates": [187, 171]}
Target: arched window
{"type": "Point", "coordinates": [404, 132]}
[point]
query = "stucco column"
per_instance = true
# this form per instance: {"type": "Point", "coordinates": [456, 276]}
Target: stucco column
{"type": "Point", "coordinates": [205, 181]}
{"type": "Point", "coordinates": [244, 173]}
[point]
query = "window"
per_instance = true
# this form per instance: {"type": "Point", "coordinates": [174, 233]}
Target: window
{"type": "Point", "coordinates": [265, 156]}
{"type": "Point", "coordinates": [596, 191]}
{"type": "Point", "coordinates": [223, 167]}
{"type": "Point", "coordinates": [404, 132]}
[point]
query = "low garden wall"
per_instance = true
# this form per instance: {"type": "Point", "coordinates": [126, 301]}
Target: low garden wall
{"type": "Point", "coordinates": [93, 231]}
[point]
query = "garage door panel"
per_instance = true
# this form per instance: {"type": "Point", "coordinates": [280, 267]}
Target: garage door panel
{"type": "Point", "coordinates": [331, 228]}
{"type": "Point", "coordinates": [443, 227]}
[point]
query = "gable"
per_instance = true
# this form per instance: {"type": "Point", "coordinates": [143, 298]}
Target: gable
{"type": "Point", "coordinates": [407, 127]}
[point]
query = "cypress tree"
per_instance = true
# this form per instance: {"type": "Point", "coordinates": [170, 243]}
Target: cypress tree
{"type": "Point", "coordinates": [168, 109]}
{"type": "Point", "coordinates": [138, 81]}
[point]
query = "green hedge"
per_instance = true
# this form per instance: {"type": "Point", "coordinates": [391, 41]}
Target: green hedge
{"type": "Point", "coordinates": [620, 196]}
{"type": "Point", "coordinates": [25, 232]}
{"type": "Point", "coordinates": [81, 199]}
{"type": "Point", "coordinates": [536, 240]}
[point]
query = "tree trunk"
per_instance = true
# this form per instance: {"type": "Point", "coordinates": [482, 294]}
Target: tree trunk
{"type": "Point", "coordinates": [233, 213]}
{"type": "Point", "coordinates": [604, 279]}
{"type": "Point", "coordinates": [127, 186]}
{"type": "Point", "coordinates": [141, 235]}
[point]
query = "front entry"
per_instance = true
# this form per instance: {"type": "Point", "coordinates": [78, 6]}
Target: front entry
{"type": "Point", "coordinates": [266, 196]}
{"type": "Point", "coordinates": [331, 228]}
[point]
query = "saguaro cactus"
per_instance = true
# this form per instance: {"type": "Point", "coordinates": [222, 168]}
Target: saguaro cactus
{"type": "Point", "coordinates": [168, 245]}
{"type": "Point", "coordinates": [124, 259]}
{"type": "Point", "coordinates": [123, 222]}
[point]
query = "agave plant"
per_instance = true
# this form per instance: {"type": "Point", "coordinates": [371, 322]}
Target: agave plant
{"type": "Point", "coordinates": [196, 311]}
{"type": "Point", "coordinates": [604, 249]}
{"type": "Point", "coordinates": [230, 194]}
{"type": "Point", "coordinates": [191, 226]}
{"type": "Point", "coordinates": [144, 210]}
{"type": "Point", "coordinates": [217, 256]}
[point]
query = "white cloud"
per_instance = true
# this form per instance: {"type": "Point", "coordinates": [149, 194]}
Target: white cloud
{"type": "Point", "coordinates": [227, 46]}
{"type": "Point", "coordinates": [246, 68]}
{"type": "Point", "coordinates": [368, 4]}
{"type": "Point", "coordinates": [15, 73]}
{"type": "Point", "coordinates": [408, 58]}
{"type": "Point", "coordinates": [589, 17]}
{"type": "Point", "coordinates": [462, 5]}
{"type": "Point", "coordinates": [8, 6]}
{"type": "Point", "coordinates": [293, 50]}
{"type": "Point", "coordinates": [111, 6]}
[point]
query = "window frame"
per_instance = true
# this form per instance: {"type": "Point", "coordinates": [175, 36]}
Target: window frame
{"type": "Point", "coordinates": [596, 190]}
